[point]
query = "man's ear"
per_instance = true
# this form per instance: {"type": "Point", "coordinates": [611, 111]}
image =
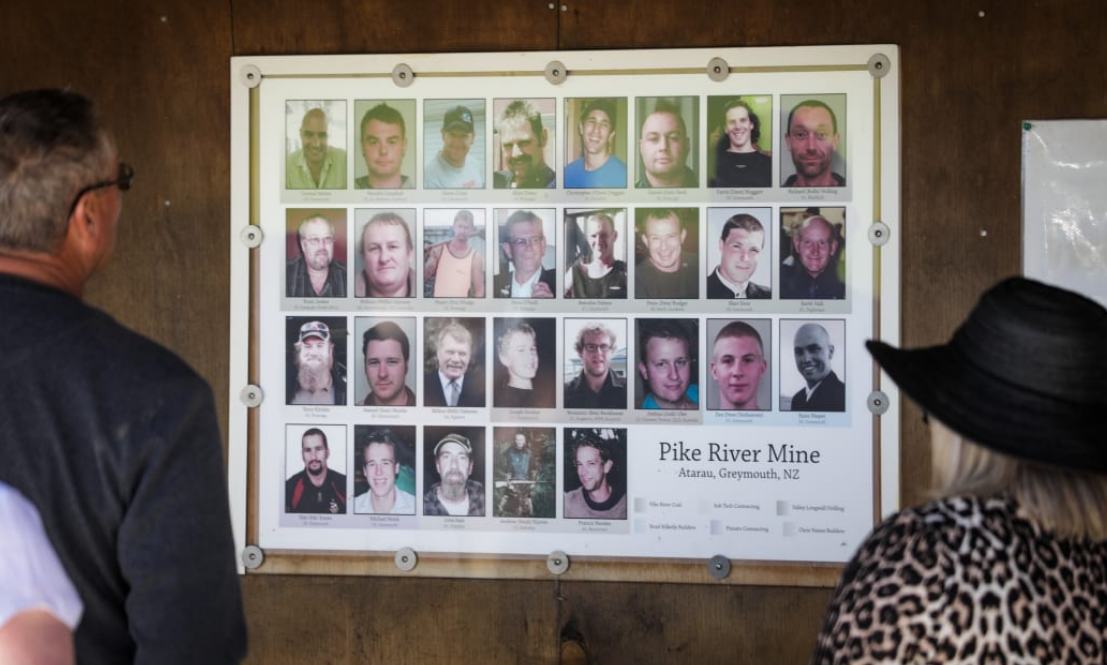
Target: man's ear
{"type": "Point", "coordinates": [545, 136]}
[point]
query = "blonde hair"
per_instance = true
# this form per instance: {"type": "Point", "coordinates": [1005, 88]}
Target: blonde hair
{"type": "Point", "coordinates": [1070, 504]}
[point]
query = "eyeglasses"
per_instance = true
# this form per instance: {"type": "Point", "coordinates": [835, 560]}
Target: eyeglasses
{"type": "Point", "coordinates": [592, 348]}
{"type": "Point", "coordinates": [523, 243]}
{"type": "Point", "coordinates": [123, 182]}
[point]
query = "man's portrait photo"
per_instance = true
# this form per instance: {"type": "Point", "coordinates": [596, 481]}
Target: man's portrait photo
{"type": "Point", "coordinates": [525, 262]}
{"type": "Point", "coordinates": [666, 253]}
{"type": "Point", "coordinates": [383, 140]}
{"type": "Point", "coordinates": [453, 138]}
{"type": "Point", "coordinates": [595, 473]}
{"type": "Point", "coordinates": [454, 252]}
{"type": "Point", "coordinates": [524, 470]}
{"type": "Point", "coordinates": [736, 243]}
{"type": "Point", "coordinates": [524, 375]}
{"type": "Point", "coordinates": [812, 249]}
{"type": "Point", "coordinates": [315, 360]}
{"type": "Point", "coordinates": [595, 373]}
{"type": "Point", "coordinates": [596, 253]}
{"type": "Point", "coordinates": [595, 153]}
{"type": "Point", "coordinates": [453, 471]}
{"type": "Point", "coordinates": [315, 244]}
{"type": "Point", "coordinates": [384, 350]}
{"type": "Point", "coordinates": [668, 364]}
{"type": "Point", "coordinates": [667, 153]}
{"type": "Point", "coordinates": [315, 132]}
{"type": "Point", "coordinates": [385, 256]}
{"type": "Point", "coordinates": [523, 143]}
{"type": "Point", "coordinates": [315, 469]}
{"type": "Point", "coordinates": [819, 358]}
{"type": "Point", "coordinates": [815, 138]}
{"type": "Point", "coordinates": [740, 377]}
{"type": "Point", "coordinates": [453, 362]}
{"type": "Point", "coordinates": [384, 470]}
{"type": "Point", "coordinates": [740, 143]}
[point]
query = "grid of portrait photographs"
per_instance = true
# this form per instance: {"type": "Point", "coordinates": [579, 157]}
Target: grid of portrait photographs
{"type": "Point", "coordinates": [491, 304]}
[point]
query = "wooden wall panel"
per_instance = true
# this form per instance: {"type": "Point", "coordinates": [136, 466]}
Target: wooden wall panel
{"type": "Point", "coordinates": [971, 72]}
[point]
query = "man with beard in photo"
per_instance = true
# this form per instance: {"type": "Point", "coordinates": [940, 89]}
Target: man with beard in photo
{"type": "Point", "coordinates": [316, 489]}
{"type": "Point", "coordinates": [455, 493]}
{"type": "Point", "coordinates": [812, 139]}
{"type": "Point", "coordinates": [316, 273]}
{"type": "Point", "coordinates": [523, 141]}
{"type": "Point", "coordinates": [597, 497]}
{"type": "Point", "coordinates": [316, 380]}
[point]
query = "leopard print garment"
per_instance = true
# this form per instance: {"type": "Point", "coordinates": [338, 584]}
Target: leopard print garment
{"type": "Point", "coordinates": [965, 580]}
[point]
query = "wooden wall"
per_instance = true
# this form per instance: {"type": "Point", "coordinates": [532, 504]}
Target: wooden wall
{"type": "Point", "coordinates": [971, 72]}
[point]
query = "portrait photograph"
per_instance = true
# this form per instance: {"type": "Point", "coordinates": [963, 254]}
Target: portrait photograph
{"type": "Point", "coordinates": [524, 357]}
{"type": "Point", "coordinates": [812, 253]}
{"type": "Point", "coordinates": [595, 371]}
{"type": "Point", "coordinates": [595, 473]}
{"type": "Point", "coordinates": [524, 146]}
{"type": "Point", "coordinates": [739, 376]}
{"type": "Point", "coordinates": [739, 254]}
{"type": "Point", "coordinates": [385, 371]}
{"type": "Point", "coordinates": [666, 253]}
{"type": "Point", "coordinates": [454, 136]}
{"type": "Point", "coordinates": [455, 253]}
{"type": "Point", "coordinates": [384, 145]}
{"type": "Point", "coordinates": [595, 256]}
{"type": "Point", "coordinates": [526, 258]}
{"type": "Point", "coordinates": [813, 365]}
{"type": "Point", "coordinates": [524, 470]}
{"type": "Point", "coordinates": [384, 253]}
{"type": "Point", "coordinates": [453, 471]}
{"type": "Point", "coordinates": [813, 146]}
{"type": "Point", "coordinates": [315, 469]}
{"type": "Point", "coordinates": [740, 141]}
{"type": "Point", "coordinates": [384, 470]}
{"type": "Point", "coordinates": [667, 375]}
{"type": "Point", "coordinates": [454, 361]}
{"type": "Point", "coordinates": [666, 136]}
{"type": "Point", "coordinates": [596, 143]}
{"type": "Point", "coordinates": [315, 144]}
{"type": "Point", "coordinates": [315, 360]}
{"type": "Point", "coordinates": [315, 253]}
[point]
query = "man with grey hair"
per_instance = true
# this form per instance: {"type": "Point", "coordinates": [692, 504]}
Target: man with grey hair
{"type": "Point", "coordinates": [316, 380]}
{"type": "Point", "coordinates": [316, 273]}
{"type": "Point", "coordinates": [126, 467]}
{"type": "Point", "coordinates": [523, 141]}
{"type": "Point", "coordinates": [596, 386]}
{"type": "Point", "coordinates": [455, 493]}
{"type": "Point", "coordinates": [814, 272]}
{"type": "Point", "coordinates": [452, 383]}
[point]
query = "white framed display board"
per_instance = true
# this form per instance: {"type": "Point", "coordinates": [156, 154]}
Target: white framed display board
{"type": "Point", "coordinates": [600, 307]}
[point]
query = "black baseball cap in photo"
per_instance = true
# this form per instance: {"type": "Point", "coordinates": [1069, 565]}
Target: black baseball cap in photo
{"type": "Point", "coordinates": [315, 329]}
{"type": "Point", "coordinates": [454, 438]}
{"type": "Point", "coordinates": [458, 117]}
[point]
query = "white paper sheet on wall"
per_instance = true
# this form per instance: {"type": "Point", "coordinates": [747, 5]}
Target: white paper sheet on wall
{"type": "Point", "coordinates": [1064, 214]}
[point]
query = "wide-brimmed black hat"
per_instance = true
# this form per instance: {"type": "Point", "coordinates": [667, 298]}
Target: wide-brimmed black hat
{"type": "Point", "coordinates": [1024, 375]}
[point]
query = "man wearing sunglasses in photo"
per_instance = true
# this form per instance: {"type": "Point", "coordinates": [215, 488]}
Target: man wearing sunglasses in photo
{"type": "Point", "coordinates": [113, 439]}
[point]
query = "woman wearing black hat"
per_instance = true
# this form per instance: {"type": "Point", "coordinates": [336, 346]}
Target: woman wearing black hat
{"type": "Point", "coordinates": [1010, 566]}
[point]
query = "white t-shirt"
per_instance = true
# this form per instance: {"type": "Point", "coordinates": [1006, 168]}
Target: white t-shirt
{"type": "Point", "coordinates": [33, 577]}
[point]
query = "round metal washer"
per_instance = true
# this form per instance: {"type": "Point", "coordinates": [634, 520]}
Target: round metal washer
{"type": "Point", "coordinates": [251, 396]}
{"type": "Point", "coordinates": [251, 236]}
{"type": "Point", "coordinates": [717, 69]}
{"type": "Point", "coordinates": [879, 65]}
{"type": "Point", "coordinates": [557, 562]}
{"type": "Point", "coordinates": [250, 76]}
{"type": "Point", "coordinates": [252, 557]}
{"type": "Point", "coordinates": [879, 234]}
{"type": "Point", "coordinates": [556, 72]}
{"type": "Point", "coordinates": [402, 75]}
{"type": "Point", "coordinates": [406, 559]}
{"type": "Point", "coordinates": [719, 566]}
{"type": "Point", "coordinates": [878, 402]}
